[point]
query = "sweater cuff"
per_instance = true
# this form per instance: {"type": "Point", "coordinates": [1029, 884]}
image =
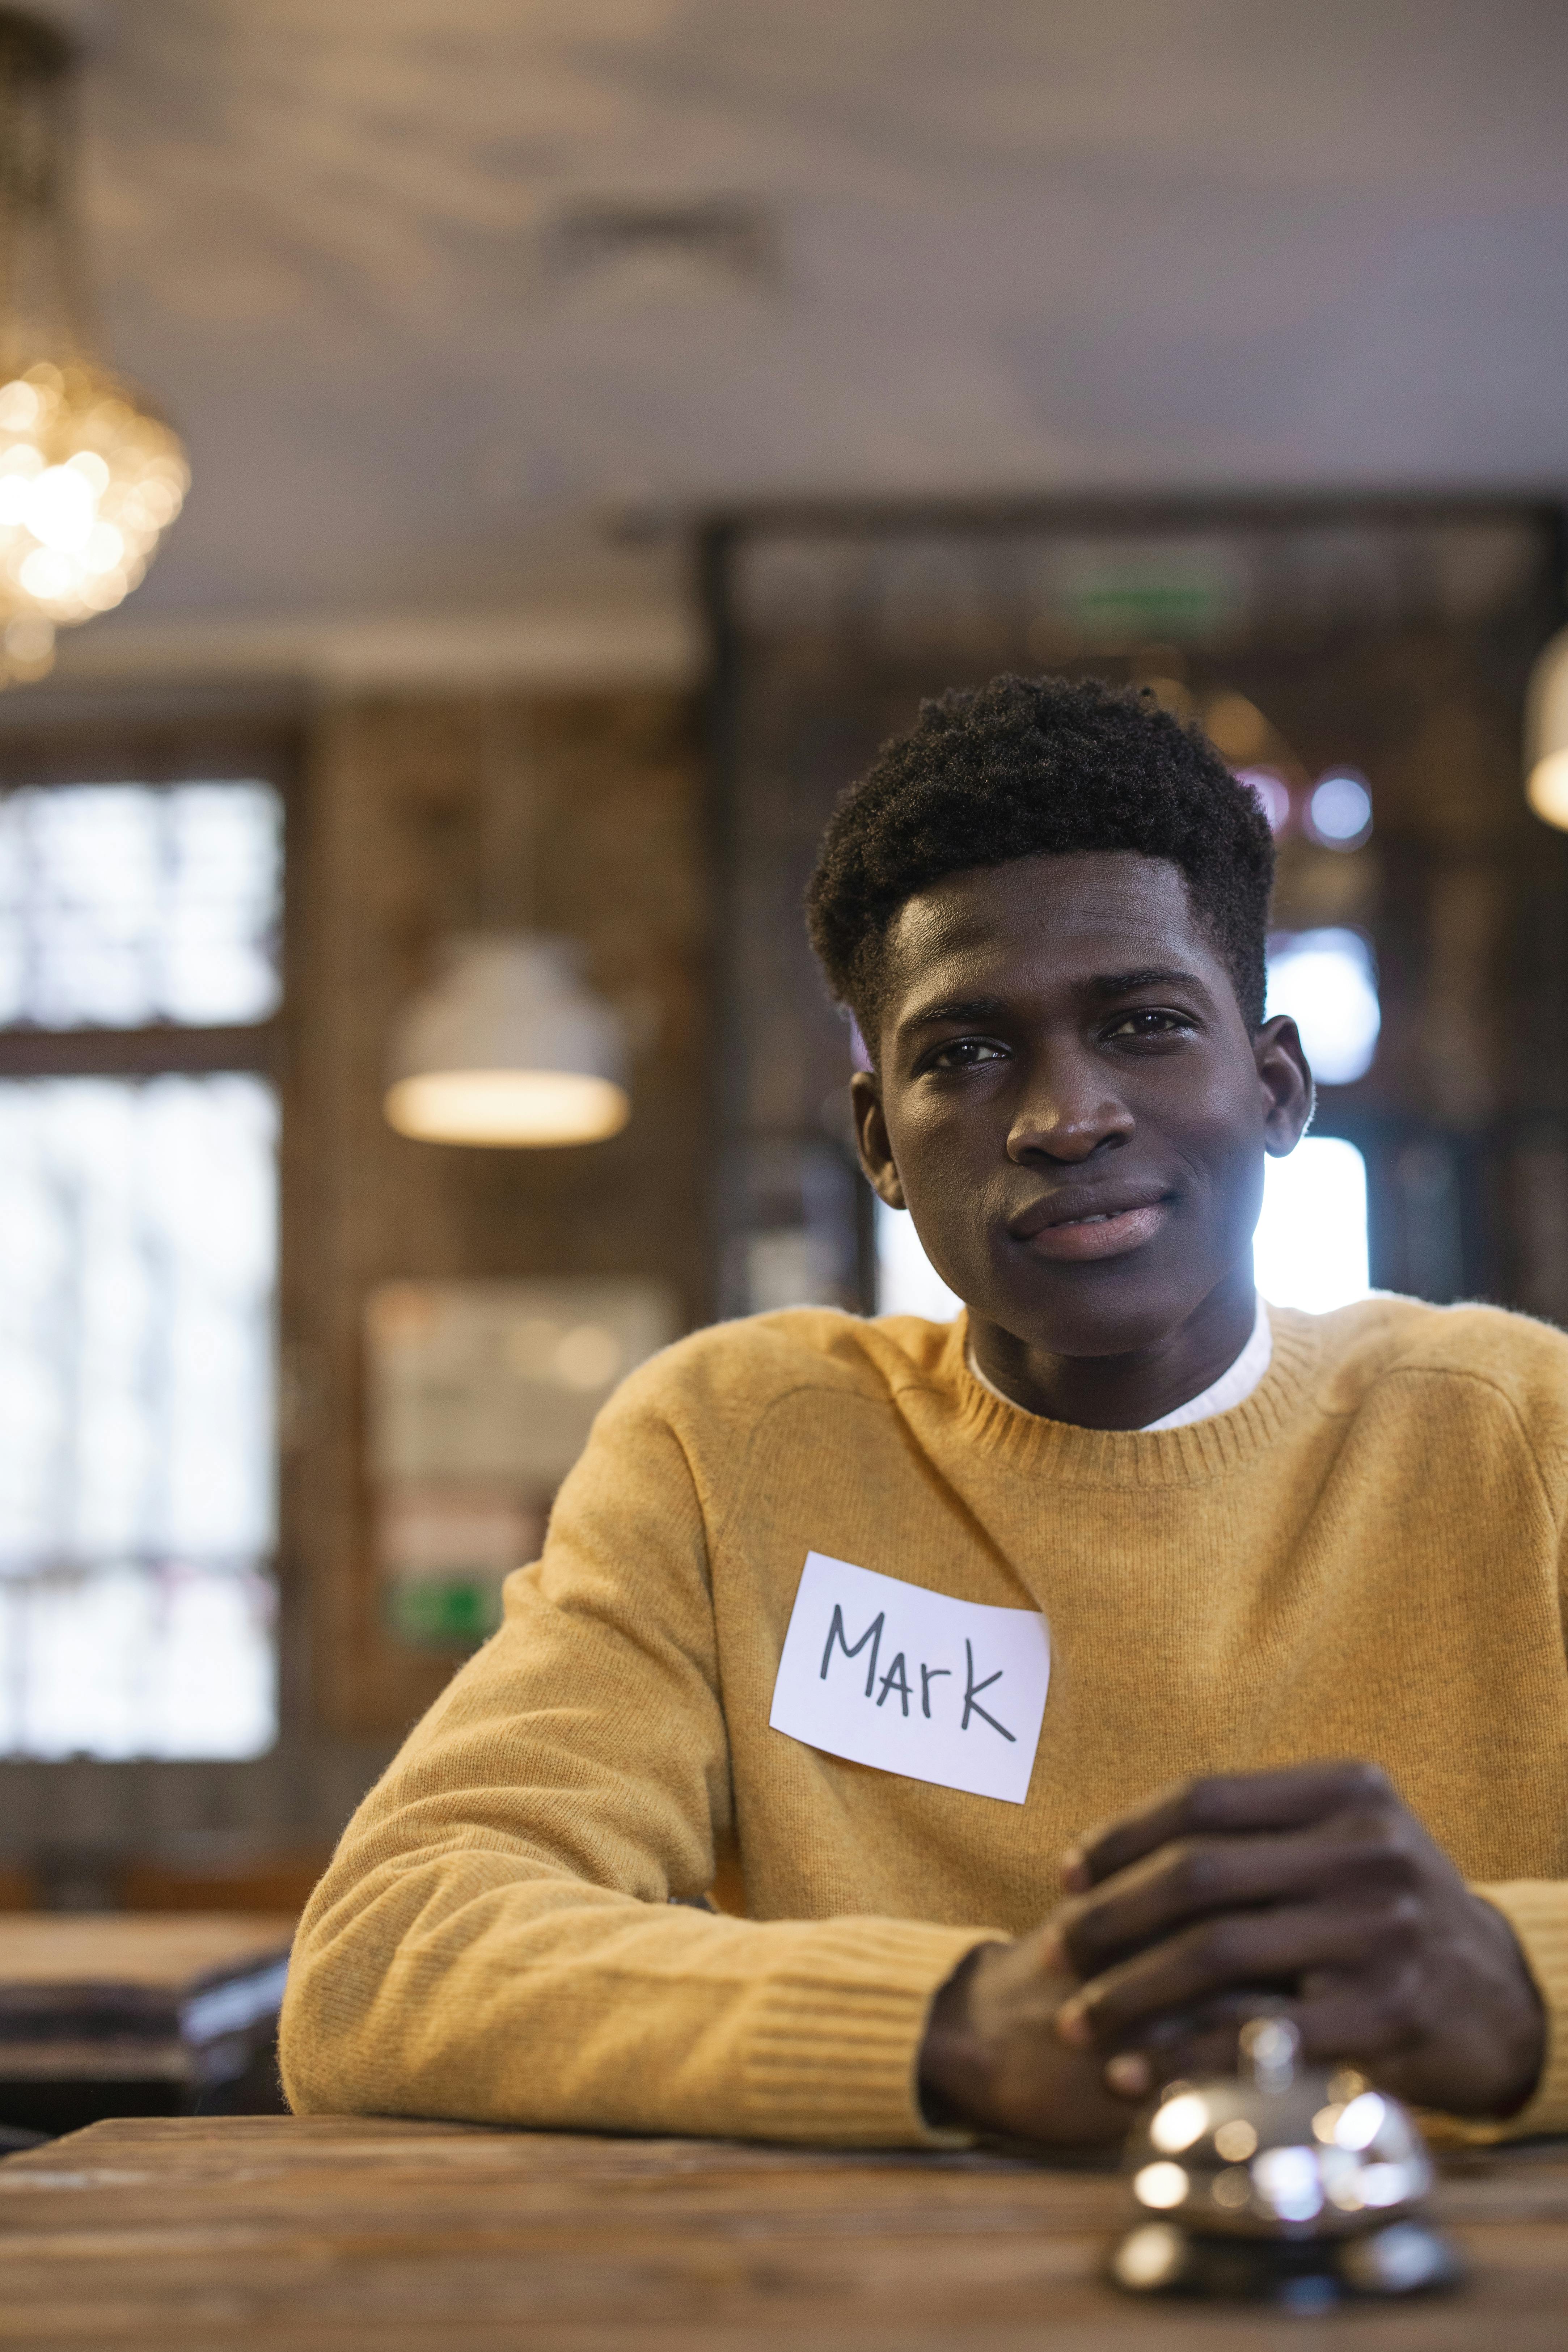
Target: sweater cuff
{"type": "Point", "coordinates": [1537, 1911]}
{"type": "Point", "coordinates": [832, 2049]}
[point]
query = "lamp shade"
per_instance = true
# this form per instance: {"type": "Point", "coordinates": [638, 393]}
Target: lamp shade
{"type": "Point", "coordinates": [1546, 734]}
{"type": "Point", "coordinates": [508, 1047]}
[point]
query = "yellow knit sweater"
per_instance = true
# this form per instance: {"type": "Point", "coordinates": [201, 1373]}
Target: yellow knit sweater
{"type": "Point", "coordinates": [1362, 1559]}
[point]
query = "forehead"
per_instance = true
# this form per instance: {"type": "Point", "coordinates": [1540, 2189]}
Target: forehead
{"type": "Point", "coordinates": [1048, 918]}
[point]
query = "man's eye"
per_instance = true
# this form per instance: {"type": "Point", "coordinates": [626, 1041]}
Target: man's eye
{"type": "Point", "coordinates": [966, 1054]}
{"type": "Point", "coordinates": [1150, 1020]}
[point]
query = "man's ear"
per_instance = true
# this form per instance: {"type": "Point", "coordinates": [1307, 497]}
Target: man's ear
{"type": "Point", "coordinates": [1288, 1094]}
{"type": "Point", "coordinates": [871, 1138]}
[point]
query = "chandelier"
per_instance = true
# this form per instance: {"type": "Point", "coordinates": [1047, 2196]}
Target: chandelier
{"type": "Point", "coordinates": [90, 476]}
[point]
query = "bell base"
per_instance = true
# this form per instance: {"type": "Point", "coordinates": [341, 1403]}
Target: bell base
{"type": "Point", "coordinates": [1302, 2275]}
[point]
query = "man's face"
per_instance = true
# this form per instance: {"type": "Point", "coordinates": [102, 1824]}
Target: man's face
{"type": "Point", "coordinates": [1069, 1103]}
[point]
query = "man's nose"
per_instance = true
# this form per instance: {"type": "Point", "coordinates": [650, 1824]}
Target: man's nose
{"type": "Point", "coordinates": [1067, 1113]}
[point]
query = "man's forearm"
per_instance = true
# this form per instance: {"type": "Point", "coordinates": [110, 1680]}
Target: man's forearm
{"type": "Point", "coordinates": [469, 1984]}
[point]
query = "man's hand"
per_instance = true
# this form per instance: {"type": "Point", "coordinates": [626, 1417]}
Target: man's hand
{"type": "Point", "coordinates": [1317, 1883]}
{"type": "Point", "coordinates": [1315, 1887]}
{"type": "Point", "coordinates": [992, 2055]}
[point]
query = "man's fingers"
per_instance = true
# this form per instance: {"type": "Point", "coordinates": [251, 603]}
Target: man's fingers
{"type": "Point", "coordinates": [1222, 1806]}
{"type": "Point", "coordinates": [1358, 2022]}
{"type": "Point", "coordinates": [1185, 2056]}
{"type": "Point", "coordinates": [1351, 1855]}
{"type": "Point", "coordinates": [1363, 2023]}
{"type": "Point", "coordinates": [1250, 1949]}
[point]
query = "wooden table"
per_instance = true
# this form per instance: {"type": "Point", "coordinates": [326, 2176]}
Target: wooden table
{"type": "Point", "coordinates": [168, 2235]}
{"type": "Point", "coordinates": [111, 2014]}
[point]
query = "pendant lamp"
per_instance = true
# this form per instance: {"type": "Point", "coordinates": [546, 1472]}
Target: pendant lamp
{"type": "Point", "coordinates": [507, 1045]}
{"type": "Point", "coordinates": [90, 476]}
{"type": "Point", "coordinates": [1546, 735]}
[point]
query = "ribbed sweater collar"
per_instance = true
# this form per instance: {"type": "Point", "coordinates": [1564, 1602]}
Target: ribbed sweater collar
{"type": "Point", "coordinates": [1201, 1451]}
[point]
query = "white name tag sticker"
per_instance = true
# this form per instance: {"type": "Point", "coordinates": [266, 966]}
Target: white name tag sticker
{"type": "Point", "coordinates": [888, 1674]}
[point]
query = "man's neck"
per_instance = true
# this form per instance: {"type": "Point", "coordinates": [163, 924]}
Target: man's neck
{"type": "Point", "coordinates": [1126, 1392]}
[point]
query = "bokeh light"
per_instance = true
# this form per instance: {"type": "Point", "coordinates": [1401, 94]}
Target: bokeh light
{"type": "Point", "coordinates": [1547, 790]}
{"type": "Point", "coordinates": [1338, 810]}
{"type": "Point", "coordinates": [89, 482]}
{"type": "Point", "coordinates": [1161, 2185]}
{"type": "Point", "coordinates": [507, 1109]}
{"type": "Point", "coordinates": [1272, 792]}
{"type": "Point", "coordinates": [1327, 982]}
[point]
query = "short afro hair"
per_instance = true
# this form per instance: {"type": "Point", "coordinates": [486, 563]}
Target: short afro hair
{"type": "Point", "coordinates": [1024, 767]}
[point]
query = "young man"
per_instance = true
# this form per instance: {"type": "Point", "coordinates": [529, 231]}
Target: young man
{"type": "Point", "coordinates": [1064, 1677]}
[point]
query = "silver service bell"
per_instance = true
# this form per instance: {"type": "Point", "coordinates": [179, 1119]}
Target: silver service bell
{"type": "Point", "coordinates": [1281, 2182]}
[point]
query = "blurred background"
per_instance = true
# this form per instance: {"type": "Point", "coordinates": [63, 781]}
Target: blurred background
{"type": "Point", "coordinates": [597, 424]}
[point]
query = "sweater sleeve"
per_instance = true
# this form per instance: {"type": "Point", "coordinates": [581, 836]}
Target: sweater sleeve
{"type": "Point", "coordinates": [1537, 1908]}
{"type": "Point", "coordinates": [496, 1939]}
{"type": "Point", "coordinates": [1537, 1911]}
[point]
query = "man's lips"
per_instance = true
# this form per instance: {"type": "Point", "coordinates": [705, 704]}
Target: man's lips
{"type": "Point", "coordinates": [1077, 1229]}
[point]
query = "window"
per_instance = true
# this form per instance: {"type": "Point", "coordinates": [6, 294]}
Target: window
{"type": "Point", "coordinates": [139, 976]}
{"type": "Point", "coordinates": [1310, 1247]}
{"type": "Point", "coordinates": [121, 905]}
{"type": "Point", "coordinates": [906, 1282]}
